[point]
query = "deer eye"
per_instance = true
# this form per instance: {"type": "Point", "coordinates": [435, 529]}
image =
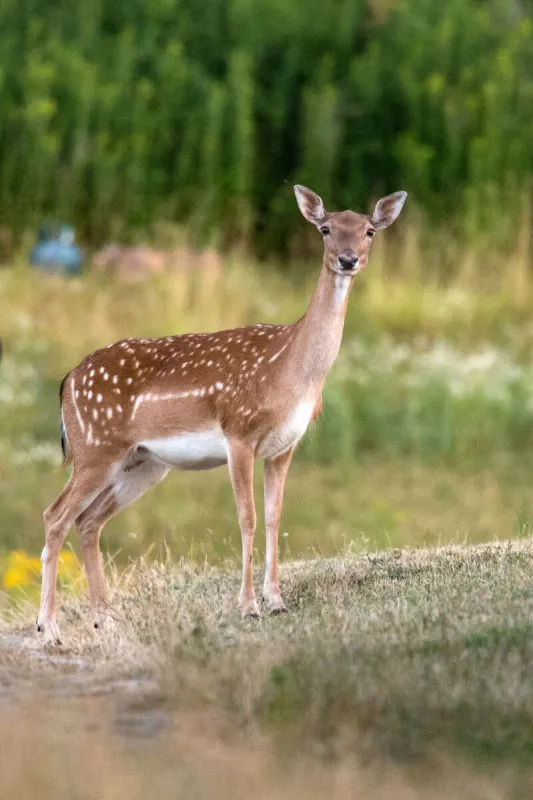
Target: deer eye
{"type": "Point", "coordinates": [370, 232]}
{"type": "Point", "coordinates": [324, 230]}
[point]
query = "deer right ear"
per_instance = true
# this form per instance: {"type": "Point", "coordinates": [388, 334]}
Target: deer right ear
{"type": "Point", "coordinates": [310, 204]}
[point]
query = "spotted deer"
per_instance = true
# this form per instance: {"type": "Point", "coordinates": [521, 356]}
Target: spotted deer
{"type": "Point", "coordinates": [139, 407]}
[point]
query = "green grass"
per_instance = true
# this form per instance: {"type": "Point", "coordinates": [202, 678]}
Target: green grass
{"type": "Point", "coordinates": [395, 658]}
{"type": "Point", "coordinates": [373, 503]}
{"type": "Point", "coordinates": [408, 419]}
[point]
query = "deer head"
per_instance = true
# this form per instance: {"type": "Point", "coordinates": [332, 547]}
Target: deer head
{"type": "Point", "coordinates": [347, 235]}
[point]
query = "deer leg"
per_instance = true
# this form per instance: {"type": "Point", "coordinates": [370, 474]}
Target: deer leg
{"type": "Point", "coordinates": [274, 482]}
{"type": "Point", "coordinates": [92, 559]}
{"type": "Point", "coordinates": [241, 470]}
{"type": "Point", "coordinates": [89, 526]}
{"type": "Point", "coordinates": [126, 488]}
{"type": "Point", "coordinates": [58, 519]}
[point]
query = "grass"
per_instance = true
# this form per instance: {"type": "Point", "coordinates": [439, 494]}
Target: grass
{"type": "Point", "coordinates": [378, 502]}
{"type": "Point", "coordinates": [398, 672]}
{"type": "Point", "coordinates": [405, 665]}
{"type": "Point", "coordinates": [192, 762]}
{"type": "Point", "coordinates": [409, 420]}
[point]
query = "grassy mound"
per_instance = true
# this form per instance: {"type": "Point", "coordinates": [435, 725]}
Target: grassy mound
{"type": "Point", "coordinates": [384, 658]}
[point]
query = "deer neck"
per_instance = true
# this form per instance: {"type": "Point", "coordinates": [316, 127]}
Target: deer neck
{"type": "Point", "coordinates": [319, 332]}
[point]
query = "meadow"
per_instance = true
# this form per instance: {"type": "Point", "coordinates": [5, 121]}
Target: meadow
{"type": "Point", "coordinates": [403, 664]}
{"type": "Point", "coordinates": [399, 674]}
{"type": "Point", "coordinates": [403, 667]}
{"type": "Point", "coordinates": [427, 426]}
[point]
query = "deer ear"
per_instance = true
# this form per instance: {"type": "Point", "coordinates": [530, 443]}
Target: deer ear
{"type": "Point", "coordinates": [388, 209]}
{"type": "Point", "coordinates": [310, 204]}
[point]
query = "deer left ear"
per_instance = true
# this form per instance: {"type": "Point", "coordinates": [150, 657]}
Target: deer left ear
{"type": "Point", "coordinates": [310, 204]}
{"type": "Point", "coordinates": [388, 209]}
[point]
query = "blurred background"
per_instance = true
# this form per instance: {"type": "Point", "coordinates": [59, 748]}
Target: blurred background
{"type": "Point", "coordinates": [167, 136]}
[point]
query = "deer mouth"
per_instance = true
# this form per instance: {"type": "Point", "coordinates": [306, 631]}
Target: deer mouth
{"type": "Point", "coordinates": [348, 263]}
{"type": "Point", "coordinates": [343, 269]}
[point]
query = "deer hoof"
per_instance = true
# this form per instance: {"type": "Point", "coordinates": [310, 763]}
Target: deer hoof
{"type": "Point", "coordinates": [275, 604]}
{"type": "Point", "coordinates": [250, 609]}
{"type": "Point", "coordinates": [104, 622]}
{"type": "Point", "coordinates": [50, 630]}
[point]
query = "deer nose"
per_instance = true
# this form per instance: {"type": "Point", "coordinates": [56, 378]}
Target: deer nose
{"type": "Point", "coordinates": [348, 261]}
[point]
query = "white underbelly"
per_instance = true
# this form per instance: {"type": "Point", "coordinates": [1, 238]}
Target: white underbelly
{"type": "Point", "coordinates": [289, 433]}
{"type": "Point", "coordinates": [198, 450]}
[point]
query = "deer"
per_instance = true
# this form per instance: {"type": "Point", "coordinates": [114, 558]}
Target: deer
{"type": "Point", "coordinates": [138, 408]}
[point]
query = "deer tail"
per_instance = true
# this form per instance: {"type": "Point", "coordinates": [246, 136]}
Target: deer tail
{"type": "Point", "coordinates": [65, 445]}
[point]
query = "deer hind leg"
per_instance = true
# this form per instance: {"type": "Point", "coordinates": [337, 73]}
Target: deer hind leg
{"type": "Point", "coordinates": [89, 525]}
{"type": "Point", "coordinates": [81, 489]}
{"type": "Point", "coordinates": [241, 469]}
{"type": "Point", "coordinates": [129, 484]}
{"type": "Point", "coordinates": [274, 482]}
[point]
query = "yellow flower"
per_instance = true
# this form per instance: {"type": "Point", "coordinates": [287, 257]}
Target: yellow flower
{"type": "Point", "coordinates": [69, 569]}
{"type": "Point", "coordinates": [22, 571]}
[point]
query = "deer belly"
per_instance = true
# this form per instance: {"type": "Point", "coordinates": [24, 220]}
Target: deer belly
{"type": "Point", "coordinates": [289, 433]}
{"type": "Point", "coordinates": [198, 450]}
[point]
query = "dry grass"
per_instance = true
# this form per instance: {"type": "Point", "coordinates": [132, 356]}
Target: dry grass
{"type": "Point", "coordinates": [84, 762]}
{"type": "Point", "coordinates": [384, 661]}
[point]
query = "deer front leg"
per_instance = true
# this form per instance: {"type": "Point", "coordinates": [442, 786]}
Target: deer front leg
{"type": "Point", "coordinates": [275, 476]}
{"type": "Point", "coordinates": [241, 470]}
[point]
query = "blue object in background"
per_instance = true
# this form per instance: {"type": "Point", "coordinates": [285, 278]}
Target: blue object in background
{"type": "Point", "coordinates": [55, 250]}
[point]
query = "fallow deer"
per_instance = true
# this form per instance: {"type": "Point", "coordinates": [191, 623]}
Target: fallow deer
{"type": "Point", "coordinates": [139, 407]}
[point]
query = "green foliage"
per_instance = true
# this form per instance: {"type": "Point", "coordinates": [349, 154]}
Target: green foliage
{"type": "Point", "coordinates": [206, 111]}
{"type": "Point", "coordinates": [434, 403]}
